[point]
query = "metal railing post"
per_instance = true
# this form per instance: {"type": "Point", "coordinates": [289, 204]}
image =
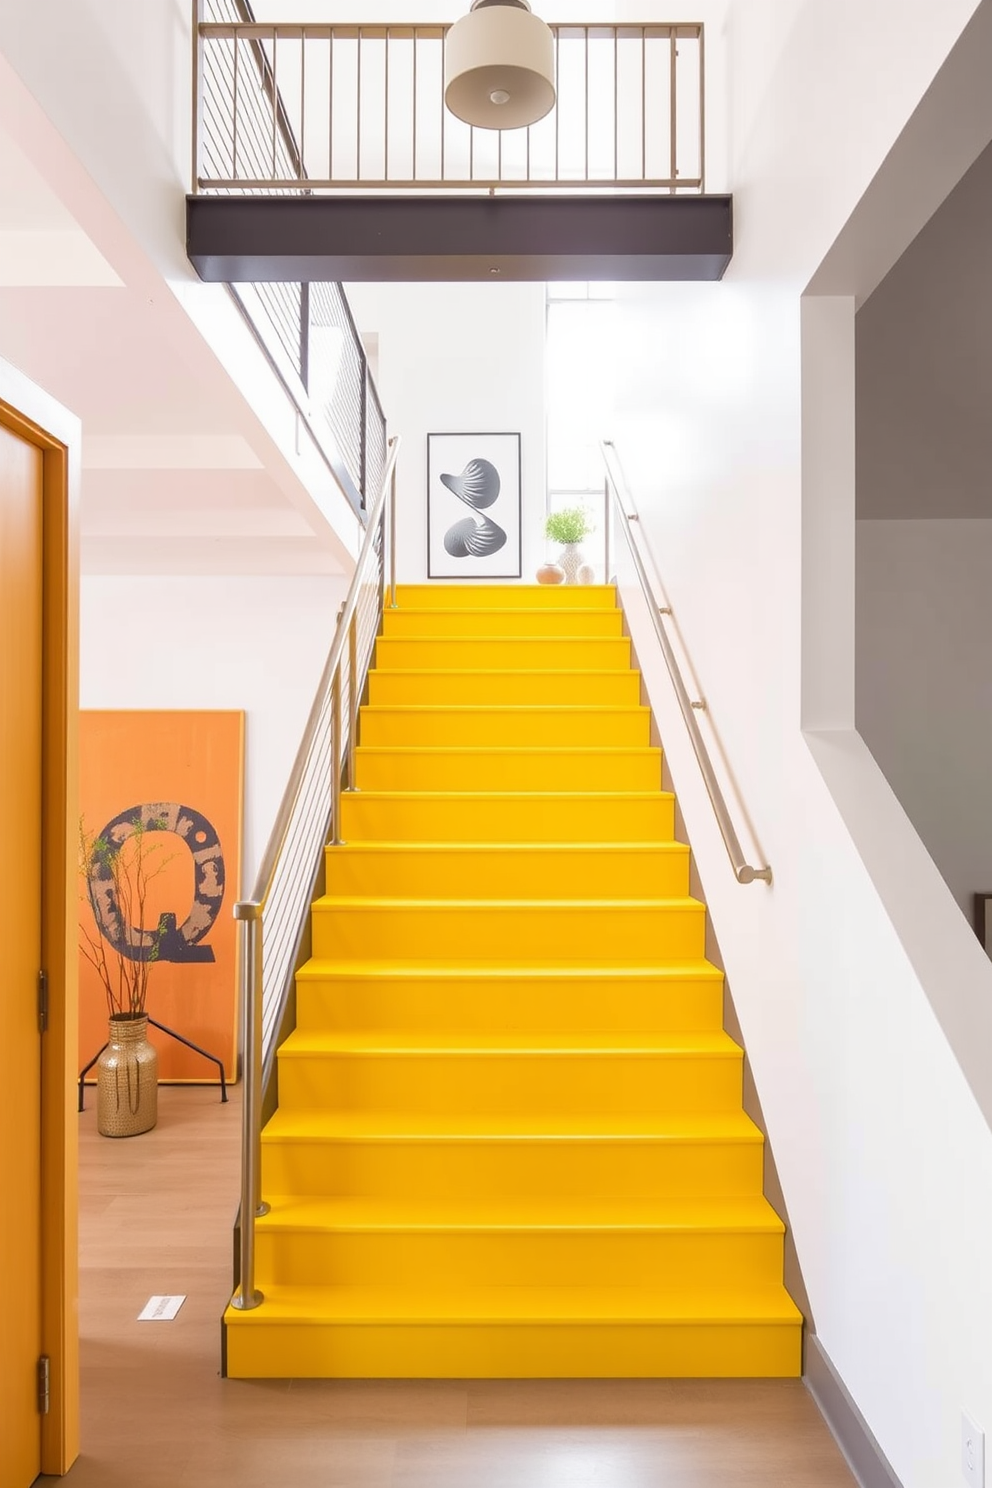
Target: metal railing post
{"type": "Point", "coordinates": [607, 511]}
{"type": "Point", "coordinates": [352, 697]}
{"type": "Point", "coordinates": [249, 916]}
{"type": "Point", "coordinates": [392, 542]}
{"type": "Point", "coordinates": [197, 120]}
{"type": "Point", "coordinates": [305, 334]}
{"type": "Point", "coordinates": [336, 838]}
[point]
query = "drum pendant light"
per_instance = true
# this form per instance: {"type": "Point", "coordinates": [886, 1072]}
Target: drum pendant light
{"type": "Point", "coordinates": [499, 66]}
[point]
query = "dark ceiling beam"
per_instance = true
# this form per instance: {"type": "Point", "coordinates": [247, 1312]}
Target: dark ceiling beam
{"type": "Point", "coordinates": [445, 238]}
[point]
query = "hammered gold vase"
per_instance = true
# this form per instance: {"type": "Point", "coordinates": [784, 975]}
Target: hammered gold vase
{"type": "Point", "coordinates": [127, 1079]}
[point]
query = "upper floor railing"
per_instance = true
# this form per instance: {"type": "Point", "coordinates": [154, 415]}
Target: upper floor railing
{"type": "Point", "coordinates": [306, 330]}
{"type": "Point", "coordinates": [306, 108]}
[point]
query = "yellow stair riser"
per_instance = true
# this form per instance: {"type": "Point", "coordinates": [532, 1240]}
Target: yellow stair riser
{"type": "Point", "coordinates": [497, 653]}
{"type": "Point", "coordinates": [505, 596]}
{"type": "Point", "coordinates": [516, 1257]}
{"type": "Point", "coordinates": [510, 871]}
{"type": "Point", "coordinates": [594, 689]}
{"type": "Point", "coordinates": [515, 1002]}
{"type": "Point", "coordinates": [545, 621]}
{"type": "Point", "coordinates": [511, 1085]}
{"type": "Point", "coordinates": [425, 1168]}
{"type": "Point", "coordinates": [508, 770]}
{"type": "Point", "coordinates": [480, 727]}
{"type": "Point", "coordinates": [504, 1351]}
{"type": "Point", "coordinates": [523, 934]}
{"type": "Point", "coordinates": [368, 816]}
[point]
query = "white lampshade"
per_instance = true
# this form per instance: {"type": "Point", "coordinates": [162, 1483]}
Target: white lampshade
{"type": "Point", "coordinates": [499, 66]}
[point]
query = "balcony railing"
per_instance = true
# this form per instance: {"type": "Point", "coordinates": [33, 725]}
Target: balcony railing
{"type": "Point", "coordinates": [306, 330]}
{"type": "Point", "coordinates": [320, 108]}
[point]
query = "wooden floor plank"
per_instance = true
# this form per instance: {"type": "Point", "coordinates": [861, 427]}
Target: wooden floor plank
{"type": "Point", "coordinates": [156, 1217]}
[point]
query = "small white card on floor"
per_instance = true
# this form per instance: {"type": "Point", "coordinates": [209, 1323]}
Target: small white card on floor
{"type": "Point", "coordinates": [160, 1309]}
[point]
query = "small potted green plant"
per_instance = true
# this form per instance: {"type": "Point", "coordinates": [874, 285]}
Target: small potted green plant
{"type": "Point", "coordinates": [568, 527]}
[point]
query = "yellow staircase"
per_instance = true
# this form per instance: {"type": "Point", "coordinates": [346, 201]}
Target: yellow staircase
{"type": "Point", "coordinates": [510, 1138]}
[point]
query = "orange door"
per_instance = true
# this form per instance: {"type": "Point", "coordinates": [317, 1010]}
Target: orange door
{"type": "Point", "coordinates": [20, 917]}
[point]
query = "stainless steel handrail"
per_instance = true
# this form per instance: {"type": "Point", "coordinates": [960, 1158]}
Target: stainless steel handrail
{"type": "Point", "coordinates": [617, 489]}
{"type": "Point", "coordinates": [377, 561]}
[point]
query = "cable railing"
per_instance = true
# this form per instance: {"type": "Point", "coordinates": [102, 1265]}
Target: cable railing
{"type": "Point", "coordinates": [305, 330]}
{"type": "Point", "coordinates": [273, 921]}
{"type": "Point", "coordinates": [363, 105]}
{"type": "Point", "coordinates": [617, 498]}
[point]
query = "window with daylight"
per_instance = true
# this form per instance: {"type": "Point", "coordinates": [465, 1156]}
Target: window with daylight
{"type": "Point", "coordinates": [581, 372]}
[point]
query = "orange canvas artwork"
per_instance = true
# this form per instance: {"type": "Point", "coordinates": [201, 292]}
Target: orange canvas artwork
{"type": "Point", "coordinates": [181, 775]}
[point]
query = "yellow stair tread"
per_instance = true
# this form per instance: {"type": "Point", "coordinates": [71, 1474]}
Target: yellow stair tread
{"type": "Point", "coordinates": [535, 849]}
{"type": "Point", "coordinates": [452, 906]}
{"type": "Point", "coordinates": [515, 708]}
{"type": "Point", "coordinates": [747, 1213]}
{"type": "Point", "coordinates": [325, 970]}
{"type": "Point", "coordinates": [578, 796]}
{"type": "Point", "coordinates": [469, 609]}
{"type": "Point", "coordinates": [469, 1045]}
{"type": "Point", "coordinates": [523, 1305]}
{"type": "Point", "coordinates": [481, 671]}
{"type": "Point", "coordinates": [513, 751]}
{"type": "Point", "coordinates": [390, 1126]}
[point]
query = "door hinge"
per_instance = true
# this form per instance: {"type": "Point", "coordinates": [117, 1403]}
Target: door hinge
{"type": "Point", "coordinates": [44, 1384]}
{"type": "Point", "coordinates": [43, 1002]}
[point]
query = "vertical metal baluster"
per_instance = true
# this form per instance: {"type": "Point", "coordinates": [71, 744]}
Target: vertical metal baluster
{"type": "Point", "coordinates": [250, 917]}
{"type": "Point", "coordinates": [352, 696]}
{"type": "Point", "coordinates": [275, 97]}
{"type": "Point", "coordinates": [499, 155]}
{"type": "Point", "coordinates": [392, 540]}
{"type": "Point", "coordinates": [336, 838]}
{"type": "Point", "coordinates": [557, 100]}
{"type": "Point", "coordinates": [386, 177]}
{"type": "Point", "coordinates": [702, 108]}
{"type": "Point", "coordinates": [673, 164]}
{"type": "Point", "coordinates": [471, 152]}
{"type": "Point", "coordinates": [643, 103]}
{"type": "Point", "coordinates": [586, 33]}
{"type": "Point", "coordinates": [358, 121]}
{"type": "Point", "coordinates": [443, 115]}
{"type": "Point", "coordinates": [301, 169]}
{"type": "Point", "coordinates": [415, 49]}
{"type": "Point", "coordinates": [197, 119]}
{"type": "Point", "coordinates": [330, 106]}
{"type": "Point", "coordinates": [616, 102]}
{"type": "Point", "coordinates": [606, 531]}
{"type": "Point", "coordinates": [382, 568]}
{"type": "Point", "coordinates": [234, 120]}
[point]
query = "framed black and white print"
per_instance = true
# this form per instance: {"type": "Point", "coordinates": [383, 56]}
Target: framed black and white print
{"type": "Point", "coordinates": [473, 506]}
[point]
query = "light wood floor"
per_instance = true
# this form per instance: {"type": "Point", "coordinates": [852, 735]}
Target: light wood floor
{"type": "Point", "coordinates": [156, 1217]}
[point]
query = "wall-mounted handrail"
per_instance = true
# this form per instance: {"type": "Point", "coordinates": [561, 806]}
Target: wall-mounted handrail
{"type": "Point", "coordinates": [617, 491]}
{"type": "Point", "coordinates": [309, 816]}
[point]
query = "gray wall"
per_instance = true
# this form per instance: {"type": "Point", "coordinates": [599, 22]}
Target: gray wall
{"type": "Point", "coordinates": [924, 532]}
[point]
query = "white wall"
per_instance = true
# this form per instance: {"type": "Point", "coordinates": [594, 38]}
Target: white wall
{"type": "Point", "coordinates": [924, 684]}
{"type": "Point", "coordinates": [863, 996]}
{"type": "Point", "coordinates": [458, 358]}
{"type": "Point", "coordinates": [252, 643]}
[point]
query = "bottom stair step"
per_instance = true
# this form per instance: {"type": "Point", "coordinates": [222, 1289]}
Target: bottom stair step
{"type": "Point", "coordinates": [515, 1333]}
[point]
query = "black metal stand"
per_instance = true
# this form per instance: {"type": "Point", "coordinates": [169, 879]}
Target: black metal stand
{"type": "Point", "coordinates": [179, 1040]}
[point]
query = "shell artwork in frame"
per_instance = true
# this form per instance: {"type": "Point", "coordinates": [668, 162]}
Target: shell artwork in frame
{"type": "Point", "coordinates": [473, 506]}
